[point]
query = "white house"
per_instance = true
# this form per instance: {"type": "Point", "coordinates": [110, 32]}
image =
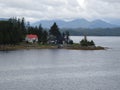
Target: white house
{"type": "Point", "coordinates": [31, 38]}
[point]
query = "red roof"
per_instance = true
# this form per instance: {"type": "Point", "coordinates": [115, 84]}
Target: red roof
{"type": "Point", "coordinates": [32, 36]}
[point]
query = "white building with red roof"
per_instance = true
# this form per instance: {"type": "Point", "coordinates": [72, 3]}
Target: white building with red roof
{"type": "Point", "coordinates": [31, 38]}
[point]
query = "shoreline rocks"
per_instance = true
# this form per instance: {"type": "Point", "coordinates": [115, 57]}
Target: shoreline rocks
{"type": "Point", "coordinates": [27, 46]}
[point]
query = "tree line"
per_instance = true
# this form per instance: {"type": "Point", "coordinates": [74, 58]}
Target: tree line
{"type": "Point", "coordinates": [14, 31]}
{"type": "Point", "coordinates": [94, 31]}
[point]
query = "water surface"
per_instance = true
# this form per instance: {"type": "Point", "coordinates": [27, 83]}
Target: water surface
{"type": "Point", "coordinates": [60, 69]}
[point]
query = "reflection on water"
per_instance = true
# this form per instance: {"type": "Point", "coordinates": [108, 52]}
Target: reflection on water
{"type": "Point", "coordinates": [61, 69]}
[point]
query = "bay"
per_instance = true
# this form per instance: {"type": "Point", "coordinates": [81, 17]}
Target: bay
{"type": "Point", "coordinates": [61, 69]}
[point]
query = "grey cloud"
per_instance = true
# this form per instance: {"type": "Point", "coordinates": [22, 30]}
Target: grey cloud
{"type": "Point", "coordinates": [59, 9]}
{"type": "Point", "coordinates": [111, 1]}
{"type": "Point", "coordinates": [102, 9]}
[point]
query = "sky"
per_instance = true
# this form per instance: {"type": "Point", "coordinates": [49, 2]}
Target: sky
{"type": "Point", "coordinates": [35, 10]}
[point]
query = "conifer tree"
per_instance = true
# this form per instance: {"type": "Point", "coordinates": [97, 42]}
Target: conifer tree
{"type": "Point", "coordinates": [54, 30]}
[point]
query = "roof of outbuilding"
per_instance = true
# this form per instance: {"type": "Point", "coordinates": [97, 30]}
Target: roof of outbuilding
{"type": "Point", "coordinates": [32, 36]}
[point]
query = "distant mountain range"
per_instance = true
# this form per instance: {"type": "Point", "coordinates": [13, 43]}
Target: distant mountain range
{"type": "Point", "coordinates": [81, 26]}
{"type": "Point", "coordinates": [93, 32]}
{"type": "Point", "coordinates": [3, 19]}
{"type": "Point", "coordinates": [78, 23]}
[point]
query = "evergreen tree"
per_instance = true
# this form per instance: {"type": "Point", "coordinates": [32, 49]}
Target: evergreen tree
{"type": "Point", "coordinates": [67, 36]}
{"type": "Point", "coordinates": [40, 33]}
{"type": "Point", "coordinates": [11, 31]}
{"type": "Point", "coordinates": [92, 43]}
{"type": "Point", "coordinates": [83, 42]}
{"type": "Point", "coordinates": [44, 37]}
{"type": "Point", "coordinates": [54, 30]}
{"type": "Point", "coordinates": [87, 43]}
{"type": "Point", "coordinates": [14, 30]}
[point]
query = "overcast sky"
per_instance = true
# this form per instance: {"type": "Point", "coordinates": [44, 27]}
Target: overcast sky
{"type": "Point", "coordinates": [34, 10]}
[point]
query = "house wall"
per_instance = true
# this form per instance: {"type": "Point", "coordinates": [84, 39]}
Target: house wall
{"type": "Point", "coordinates": [31, 40]}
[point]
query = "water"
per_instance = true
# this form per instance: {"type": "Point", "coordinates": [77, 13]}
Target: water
{"type": "Point", "coordinates": [61, 69]}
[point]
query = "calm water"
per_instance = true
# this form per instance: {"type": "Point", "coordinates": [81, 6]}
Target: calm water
{"type": "Point", "coordinates": [62, 69]}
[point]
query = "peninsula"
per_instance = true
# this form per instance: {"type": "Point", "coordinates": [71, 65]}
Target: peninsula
{"type": "Point", "coordinates": [16, 34]}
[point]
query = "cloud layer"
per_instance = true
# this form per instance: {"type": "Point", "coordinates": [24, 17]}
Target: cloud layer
{"type": "Point", "coordinates": [60, 9]}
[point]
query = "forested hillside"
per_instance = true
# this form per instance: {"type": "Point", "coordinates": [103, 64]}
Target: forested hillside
{"type": "Point", "coordinates": [94, 32]}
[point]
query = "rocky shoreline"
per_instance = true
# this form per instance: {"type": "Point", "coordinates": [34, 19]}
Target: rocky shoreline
{"type": "Point", "coordinates": [37, 46]}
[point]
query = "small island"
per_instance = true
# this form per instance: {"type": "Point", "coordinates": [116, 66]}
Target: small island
{"type": "Point", "coordinates": [85, 45]}
{"type": "Point", "coordinates": [16, 34]}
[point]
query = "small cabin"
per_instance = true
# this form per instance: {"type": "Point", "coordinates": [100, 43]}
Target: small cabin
{"type": "Point", "coordinates": [31, 38]}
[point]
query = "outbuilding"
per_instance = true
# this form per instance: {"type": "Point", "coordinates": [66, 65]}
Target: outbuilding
{"type": "Point", "coordinates": [31, 38]}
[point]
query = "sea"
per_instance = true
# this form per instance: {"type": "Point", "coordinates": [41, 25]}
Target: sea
{"type": "Point", "coordinates": [62, 69]}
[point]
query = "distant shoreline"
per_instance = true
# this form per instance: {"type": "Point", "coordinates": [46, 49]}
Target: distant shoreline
{"type": "Point", "coordinates": [37, 46]}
